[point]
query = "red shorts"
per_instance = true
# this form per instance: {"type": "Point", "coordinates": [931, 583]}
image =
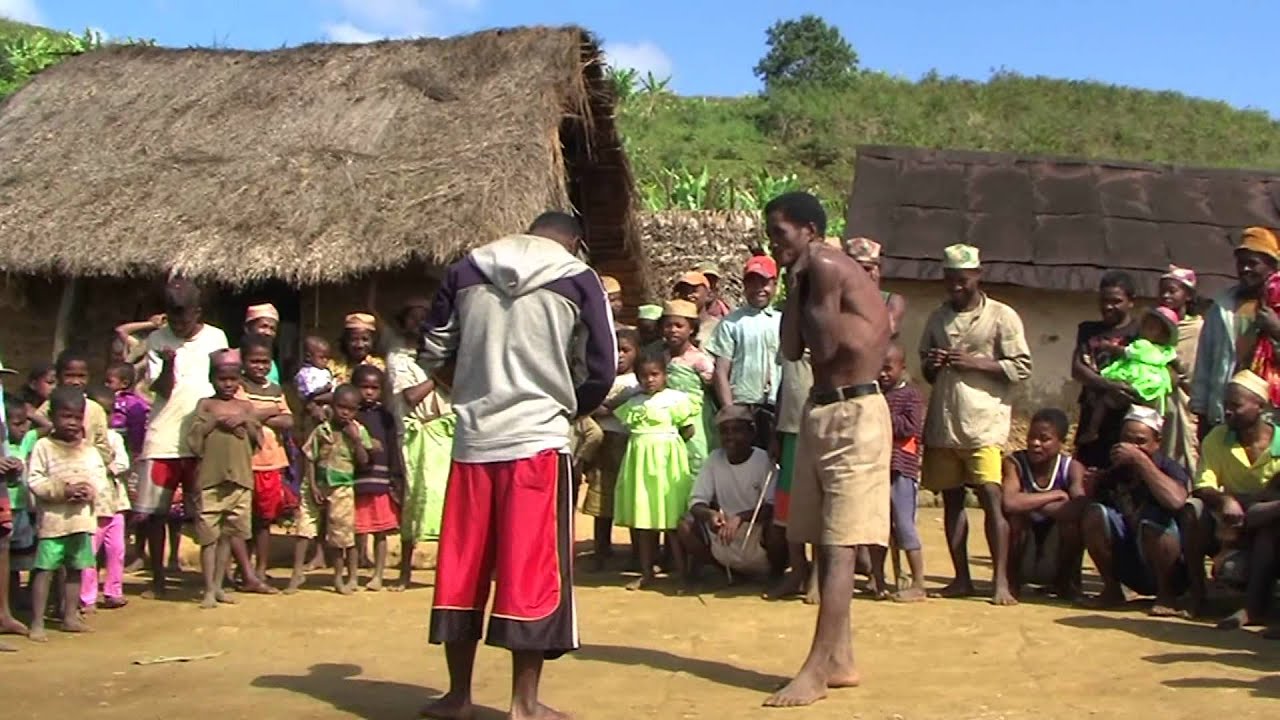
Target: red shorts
{"type": "Point", "coordinates": [161, 479]}
{"type": "Point", "coordinates": [268, 495]}
{"type": "Point", "coordinates": [376, 513]}
{"type": "Point", "coordinates": [510, 523]}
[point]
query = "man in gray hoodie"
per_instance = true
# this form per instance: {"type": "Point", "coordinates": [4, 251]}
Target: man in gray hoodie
{"type": "Point", "coordinates": [529, 326]}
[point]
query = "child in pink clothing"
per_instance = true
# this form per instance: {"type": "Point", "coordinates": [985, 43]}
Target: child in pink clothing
{"type": "Point", "coordinates": [110, 507]}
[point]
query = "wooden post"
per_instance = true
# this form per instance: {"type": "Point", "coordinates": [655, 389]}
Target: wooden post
{"type": "Point", "coordinates": [62, 323]}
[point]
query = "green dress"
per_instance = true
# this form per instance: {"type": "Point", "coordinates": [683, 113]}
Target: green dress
{"type": "Point", "coordinates": [428, 457]}
{"type": "Point", "coordinates": [654, 481]}
{"type": "Point", "coordinates": [685, 379]}
{"type": "Point", "coordinates": [1145, 367]}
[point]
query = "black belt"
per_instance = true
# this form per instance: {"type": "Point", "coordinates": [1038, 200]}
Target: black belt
{"type": "Point", "coordinates": [848, 392]}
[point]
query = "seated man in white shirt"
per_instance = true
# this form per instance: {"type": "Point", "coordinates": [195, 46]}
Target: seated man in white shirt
{"type": "Point", "coordinates": [727, 514]}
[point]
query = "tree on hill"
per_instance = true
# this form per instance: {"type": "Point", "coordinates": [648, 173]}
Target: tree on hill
{"type": "Point", "coordinates": [807, 50]}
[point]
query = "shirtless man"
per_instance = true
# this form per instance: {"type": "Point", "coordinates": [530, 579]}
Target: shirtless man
{"type": "Point", "coordinates": [839, 497]}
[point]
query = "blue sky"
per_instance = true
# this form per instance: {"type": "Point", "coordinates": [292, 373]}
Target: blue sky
{"type": "Point", "coordinates": [710, 47]}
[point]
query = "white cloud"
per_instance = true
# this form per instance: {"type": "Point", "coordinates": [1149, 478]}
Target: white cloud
{"type": "Point", "coordinates": [21, 10]}
{"type": "Point", "coordinates": [394, 18]}
{"type": "Point", "coordinates": [643, 57]}
{"type": "Point", "coordinates": [348, 33]}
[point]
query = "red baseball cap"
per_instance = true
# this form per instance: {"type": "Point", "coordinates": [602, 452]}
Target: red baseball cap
{"type": "Point", "coordinates": [761, 265]}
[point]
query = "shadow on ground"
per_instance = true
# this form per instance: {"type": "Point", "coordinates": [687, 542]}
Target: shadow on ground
{"type": "Point", "coordinates": [711, 670]}
{"type": "Point", "coordinates": [341, 686]}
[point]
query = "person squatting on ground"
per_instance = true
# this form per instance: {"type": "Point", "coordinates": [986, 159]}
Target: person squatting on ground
{"type": "Point", "coordinates": [727, 519]}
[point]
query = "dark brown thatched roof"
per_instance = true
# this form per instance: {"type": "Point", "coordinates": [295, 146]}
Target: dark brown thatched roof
{"type": "Point", "coordinates": [1053, 222]}
{"type": "Point", "coordinates": [308, 164]}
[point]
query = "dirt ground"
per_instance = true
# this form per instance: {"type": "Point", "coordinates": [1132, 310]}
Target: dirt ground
{"type": "Point", "coordinates": [647, 655]}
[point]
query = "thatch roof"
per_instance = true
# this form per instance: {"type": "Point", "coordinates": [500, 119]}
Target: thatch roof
{"type": "Point", "coordinates": [1055, 223]}
{"type": "Point", "coordinates": [676, 241]}
{"type": "Point", "coordinates": [309, 164]}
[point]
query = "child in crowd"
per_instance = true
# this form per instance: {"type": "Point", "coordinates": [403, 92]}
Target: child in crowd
{"type": "Point", "coordinates": [727, 518]}
{"type": "Point", "coordinates": [649, 317]}
{"type": "Point", "coordinates": [379, 483]}
{"type": "Point", "coordinates": [690, 370]}
{"type": "Point", "coordinates": [129, 413]}
{"type": "Point", "coordinates": [906, 411]}
{"type": "Point", "coordinates": [17, 537]}
{"type": "Point", "coordinates": [71, 369]}
{"type": "Point", "coordinates": [224, 434]}
{"type": "Point", "coordinates": [21, 438]}
{"type": "Point", "coordinates": [109, 506]}
{"type": "Point", "coordinates": [314, 377]}
{"type": "Point", "coordinates": [602, 477]}
{"type": "Point", "coordinates": [1148, 367]}
{"type": "Point", "coordinates": [654, 482]}
{"type": "Point", "coordinates": [270, 461]}
{"type": "Point", "coordinates": [40, 383]}
{"type": "Point", "coordinates": [65, 473]}
{"type": "Point", "coordinates": [1037, 487]}
{"type": "Point", "coordinates": [334, 450]}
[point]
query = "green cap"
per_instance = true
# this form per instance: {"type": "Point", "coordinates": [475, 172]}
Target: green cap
{"type": "Point", "coordinates": [650, 312]}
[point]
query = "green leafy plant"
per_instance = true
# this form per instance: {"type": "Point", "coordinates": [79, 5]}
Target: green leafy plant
{"type": "Point", "coordinates": [25, 53]}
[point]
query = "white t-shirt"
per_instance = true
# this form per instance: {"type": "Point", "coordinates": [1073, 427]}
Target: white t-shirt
{"type": "Point", "coordinates": [170, 418]}
{"type": "Point", "coordinates": [733, 488]}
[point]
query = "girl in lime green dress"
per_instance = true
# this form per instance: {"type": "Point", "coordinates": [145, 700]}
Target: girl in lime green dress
{"type": "Point", "coordinates": [654, 481]}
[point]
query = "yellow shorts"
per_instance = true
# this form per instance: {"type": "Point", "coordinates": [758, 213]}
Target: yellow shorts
{"type": "Point", "coordinates": [951, 468]}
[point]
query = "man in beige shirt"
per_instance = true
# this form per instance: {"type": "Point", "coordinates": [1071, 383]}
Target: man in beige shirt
{"type": "Point", "coordinates": [973, 351]}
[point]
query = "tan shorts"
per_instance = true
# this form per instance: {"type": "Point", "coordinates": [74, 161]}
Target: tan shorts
{"type": "Point", "coordinates": [840, 484]}
{"type": "Point", "coordinates": [338, 512]}
{"type": "Point", "coordinates": [224, 511]}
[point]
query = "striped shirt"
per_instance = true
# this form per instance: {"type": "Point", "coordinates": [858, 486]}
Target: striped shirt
{"type": "Point", "coordinates": [270, 454]}
{"type": "Point", "coordinates": [906, 411]}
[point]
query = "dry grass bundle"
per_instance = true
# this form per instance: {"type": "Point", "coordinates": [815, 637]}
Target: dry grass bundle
{"type": "Point", "coordinates": [676, 241]}
{"type": "Point", "coordinates": [309, 164]}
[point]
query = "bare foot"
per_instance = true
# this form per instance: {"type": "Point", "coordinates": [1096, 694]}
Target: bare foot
{"type": "Point", "coordinates": [295, 582]}
{"type": "Point", "coordinates": [1003, 598]}
{"type": "Point", "coordinates": [542, 712]}
{"type": "Point", "coordinates": [844, 679]}
{"type": "Point", "coordinates": [790, 585]}
{"type": "Point", "coordinates": [639, 583]}
{"type": "Point", "coordinates": [955, 589]}
{"type": "Point", "coordinates": [374, 585]}
{"type": "Point", "coordinates": [88, 609]}
{"type": "Point", "coordinates": [1164, 608]}
{"type": "Point", "coordinates": [209, 601]}
{"type": "Point", "coordinates": [1105, 600]}
{"type": "Point", "coordinates": [343, 589]}
{"type": "Point", "coordinates": [10, 626]}
{"type": "Point", "coordinates": [259, 588]}
{"type": "Point", "coordinates": [75, 625]}
{"type": "Point", "coordinates": [114, 603]}
{"type": "Point", "coordinates": [225, 598]}
{"type": "Point", "coordinates": [449, 707]}
{"type": "Point", "coordinates": [805, 689]}
{"type": "Point", "coordinates": [157, 590]}
{"type": "Point", "coordinates": [38, 634]}
{"type": "Point", "coordinates": [913, 594]}
{"type": "Point", "coordinates": [1237, 620]}
{"type": "Point", "coordinates": [7, 648]}
{"type": "Point", "coordinates": [396, 586]}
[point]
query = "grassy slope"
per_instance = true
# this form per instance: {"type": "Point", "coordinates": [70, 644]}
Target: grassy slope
{"type": "Point", "coordinates": [813, 133]}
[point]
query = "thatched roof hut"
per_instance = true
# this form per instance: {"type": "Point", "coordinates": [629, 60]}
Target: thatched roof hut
{"type": "Point", "coordinates": [310, 165]}
{"type": "Point", "coordinates": [677, 240]}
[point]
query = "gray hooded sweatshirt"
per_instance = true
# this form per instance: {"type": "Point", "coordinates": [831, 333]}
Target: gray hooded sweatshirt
{"type": "Point", "coordinates": [530, 328]}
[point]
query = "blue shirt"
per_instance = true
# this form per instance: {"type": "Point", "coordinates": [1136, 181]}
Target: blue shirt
{"type": "Point", "coordinates": [749, 337]}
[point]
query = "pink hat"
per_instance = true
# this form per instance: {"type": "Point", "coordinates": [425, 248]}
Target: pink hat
{"type": "Point", "coordinates": [1186, 276]}
{"type": "Point", "coordinates": [225, 357]}
{"type": "Point", "coordinates": [265, 310]}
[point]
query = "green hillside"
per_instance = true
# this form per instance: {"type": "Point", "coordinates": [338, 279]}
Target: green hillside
{"type": "Point", "coordinates": [813, 131]}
